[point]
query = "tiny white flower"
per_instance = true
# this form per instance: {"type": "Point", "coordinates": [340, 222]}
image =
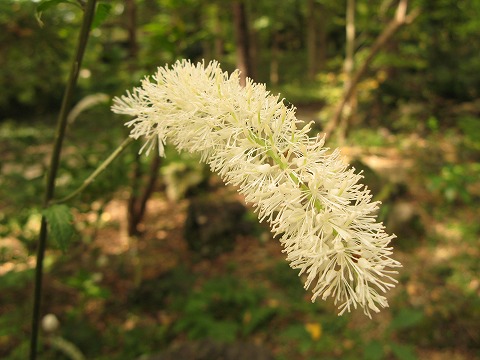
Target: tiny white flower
{"type": "Point", "coordinates": [362, 262]}
{"type": "Point", "coordinates": [324, 217]}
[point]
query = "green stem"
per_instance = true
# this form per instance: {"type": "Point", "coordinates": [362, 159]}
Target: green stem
{"type": "Point", "coordinates": [101, 168]}
{"type": "Point", "coordinates": [54, 164]}
{"type": "Point", "coordinates": [277, 160]}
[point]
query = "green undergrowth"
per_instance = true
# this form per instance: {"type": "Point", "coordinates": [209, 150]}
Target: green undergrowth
{"type": "Point", "coordinates": [106, 314]}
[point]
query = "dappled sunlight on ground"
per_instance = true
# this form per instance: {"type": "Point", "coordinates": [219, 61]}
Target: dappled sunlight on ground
{"type": "Point", "coordinates": [124, 290]}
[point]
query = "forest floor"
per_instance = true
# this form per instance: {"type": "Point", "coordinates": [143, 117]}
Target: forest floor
{"type": "Point", "coordinates": [120, 297]}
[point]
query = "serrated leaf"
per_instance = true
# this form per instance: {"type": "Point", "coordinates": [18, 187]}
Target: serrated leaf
{"type": "Point", "coordinates": [60, 222]}
{"type": "Point", "coordinates": [103, 10]}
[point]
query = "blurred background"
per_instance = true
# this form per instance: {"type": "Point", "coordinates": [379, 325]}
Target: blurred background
{"type": "Point", "coordinates": [168, 263]}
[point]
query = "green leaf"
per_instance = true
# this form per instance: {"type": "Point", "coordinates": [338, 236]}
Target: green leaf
{"type": "Point", "coordinates": [373, 351]}
{"type": "Point", "coordinates": [60, 222]}
{"type": "Point", "coordinates": [406, 318]}
{"type": "Point", "coordinates": [103, 10]}
{"type": "Point", "coordinates": [258, 318]}
{"type": "Point", "coordinates": [404, 352]}
{"type": "Point", "coordinates": [224, 331]}
{"type": "Point", "coordinates": [47, 4]}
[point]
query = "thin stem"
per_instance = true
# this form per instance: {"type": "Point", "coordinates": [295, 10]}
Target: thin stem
{"type": "Point", "coordinates": [101, 168]}
{"type": "Point", "coordinates": [283, 166]}
{"type": "Point", "coordinates": [38, 289]}
{"type": "Point", "coordinates": [54, 164]}
{"type": "Point", "coordinates": [67, 99]}
{"type": "Point", "coordinates": [132, 200]}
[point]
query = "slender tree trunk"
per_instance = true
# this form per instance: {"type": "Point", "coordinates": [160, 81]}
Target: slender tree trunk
{"type": "Point", "coordinates": [137, 203]}
{"type": "Point", "coordinates": [218, 41]}
{"type": "Point", "coordinates": [131, 12]}
{"type": "Point", "coordinates": [132, 217]}
{"type": "Point", "coordinates": [350, 106]}
{"type": "Point", "coordinates": [212, 48]}
{"type": "Point", "coordinates": [322, 37]}
{"type": "Point", "coordinates": [141, 189]}
{"type": "Point", "coordinates": [400, 19]}
{"type": "Point", "coordinates": [316, 39]}
{"type": "Point", "coordinates": [312, 61]}
{"type": "Point", "coordinates": [274, 66]}
{"type": "Point", "coordinates": [254, 49]}
{"type": "Point", "coordinates": [142, 185]}
{"type": "Point", "coordinates": [242, 40]}
{"type": "Point", "coordinates": [350, 42]}
{"type": "Point", "coordinates": [131, 27]}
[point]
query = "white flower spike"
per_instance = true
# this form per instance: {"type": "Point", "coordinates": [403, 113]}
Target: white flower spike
{"type": "Point", "coordinates": [325, 219]}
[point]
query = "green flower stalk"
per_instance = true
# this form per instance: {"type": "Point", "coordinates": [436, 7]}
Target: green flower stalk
{"type": "Point", "coordinates": [312, 200]}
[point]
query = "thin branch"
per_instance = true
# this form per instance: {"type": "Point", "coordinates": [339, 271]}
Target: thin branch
{"type": "Point", "coordinates": [399, 20]}
{"type": "Point", "coordinates": [132, 215]}
{"type": "Point", "coordinates": [348, 69]}
{"type": "Point", "coordinates": [53, 169]}
{"type": "Point", "coordinates": [101, 168]}
{"type": "Point", "coordinates": [137, 204]}
{"type": "Point", "coordinates": [152, 180]}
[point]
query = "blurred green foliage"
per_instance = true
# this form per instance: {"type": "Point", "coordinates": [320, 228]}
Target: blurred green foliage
{"type": "Point", "coordinates": [34, 59]}
{"type": "Point", "coordinates": [454, 182]}
{"type": "Point", "coordinates": [224, 309]}
{"type": "Point", "coordinates": [418, 99]}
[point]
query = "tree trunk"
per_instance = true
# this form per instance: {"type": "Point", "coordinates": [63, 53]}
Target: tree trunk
{"type": "Point", "coordinates": [211, 20]}
{"type": "Point", "coordinates": [400, 19]}
{"type": "Point", "coordinates": [218, 30]}
{"type": "Point", "coordinates": [131, 13]}
{"type": "Point", "coordinates": [321, 37]}
{"type": "Point", "coordinates": [137, 202]}
{"type": "Point", "coordinates": [242, 40]}
{"type": "Point", "coordinates": [254, 48]}
{"type": "Point", "coordinates": [274, 66]}
{"type": "Point", "coordinates": [311, 40]}
{"type": "Point", "coordinates": [316, 38]}
{"type": "Point", "coordinates": [350, 106]}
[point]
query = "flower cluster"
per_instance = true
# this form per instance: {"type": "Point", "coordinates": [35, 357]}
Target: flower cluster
{"type": "Point", "coordinates": [324, 218]}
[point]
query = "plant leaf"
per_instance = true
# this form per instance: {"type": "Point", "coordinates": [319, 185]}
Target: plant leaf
{"type": "Point", "coordinates": [60, 222]}
{"type": "Point", "coordinates": [373, 351]}
{"type": "Point", "coordinates": [405, 319]}
{"type": "Point", "coordinates": [103, 10]}
{"type": "Point", "coordinates": [46, 4]}
{"type": "Point", "coordinates": [404, 352]}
